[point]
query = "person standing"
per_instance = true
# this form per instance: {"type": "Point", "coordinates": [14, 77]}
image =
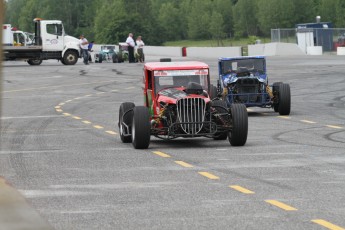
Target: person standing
{"type": "Point", "coordinates": [90, 50]}
{"type": "Point", "coordinates": [84, 44]}
{"type": "Point", "coordinates": [140, 45]}
{"type": "Point", "coordinates": [131, 45]}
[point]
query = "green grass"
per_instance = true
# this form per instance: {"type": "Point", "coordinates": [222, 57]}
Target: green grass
{"type": "Point", "coordinates": [213, 43]}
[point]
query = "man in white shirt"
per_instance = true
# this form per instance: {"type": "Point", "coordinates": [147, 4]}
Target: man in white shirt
{"type": "Point", "coordinates": [131, 45]}
{"type": "Point", "coordinates": [84, 45]}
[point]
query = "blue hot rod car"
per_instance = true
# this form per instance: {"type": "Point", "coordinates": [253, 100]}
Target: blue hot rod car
{"type": "Point", "coordinates": [244, 80]}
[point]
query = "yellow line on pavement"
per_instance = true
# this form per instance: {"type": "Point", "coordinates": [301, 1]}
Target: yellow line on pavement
{"type": "Point", "coordinates": [68, 101]}
{"type": "Point", "coordinates": [78, 118]}
{"type": "Point", "coordinates": [184, 164]}
{"type": "Point", "coordinates": [334, 126]}
{"type": "Point", "coordinates": [241, 189]}
{"type": "Point", "coordinates": [57, 107]}
{"type": "Point", "coordinates": [209, 175]}
{"type": "Point", "coordinates": [61, 103]}
{"type": "Point", "coordinates": [59, 110]}
{"type": "Point", "coordinates": [284, 117]}
{"type": "Point", "coordinates": [161, 154]}
{"type": "Point", "coordinates": [89, 95]}
{"type": "Point", "coordinates": [111, 132]}
{"type": "Point", "coordinates": [98, 127]}
{"type": "Point", "coordinates": [281, 205]}
{"type": "Point", "coordinates": [327, 224]}
{"type": "Point", "coordinates": [66, 114]}
{"type": "Point", "coordinates": [309, 122]}
{"type": "Point", "coordinates": [87, 122]}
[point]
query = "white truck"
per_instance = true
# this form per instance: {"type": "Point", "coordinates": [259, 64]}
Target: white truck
{"type": "Point", "coordinates": [49, 42]}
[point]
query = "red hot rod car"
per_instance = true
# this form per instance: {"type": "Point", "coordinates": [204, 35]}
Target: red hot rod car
{"type": "Point", "coordinates": [177, 104]}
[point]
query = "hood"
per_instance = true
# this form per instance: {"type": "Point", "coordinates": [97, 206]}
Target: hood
{"type": "Point", "coordinates": [171, 95]}
{"type": "Point", "coordinates": [71, 39]}
{"type": "Point", "coordinates": [71, 42]}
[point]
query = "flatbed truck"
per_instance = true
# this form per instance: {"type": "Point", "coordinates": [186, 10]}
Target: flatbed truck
{"type": "Point", "coordinates": [50, 42]}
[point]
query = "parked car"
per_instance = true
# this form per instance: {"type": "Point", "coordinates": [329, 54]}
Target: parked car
{"type": "Point", "coordinates": [123, 51]}
{"type": "Point", "coordinates": [244, 80]}
{"type": "Point", "coordinates": [107, 53]}
{"type": "Point", "coordinates": [177, 104]}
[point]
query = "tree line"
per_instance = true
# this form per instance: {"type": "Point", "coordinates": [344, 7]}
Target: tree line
{"type": "Point", "coordinates": [110, 21]}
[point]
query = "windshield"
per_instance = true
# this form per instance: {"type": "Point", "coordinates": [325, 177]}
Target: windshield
{"type": "Point", "coordinates": [180, 78]}
{"type": "Point", "coordinates": [254, 64]}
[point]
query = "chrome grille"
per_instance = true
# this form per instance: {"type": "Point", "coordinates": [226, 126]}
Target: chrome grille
{"type": "Point", "coordinates": [191, 114]}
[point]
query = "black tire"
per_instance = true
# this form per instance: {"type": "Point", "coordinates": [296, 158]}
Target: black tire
{"type": "Point", "coordinates": [239, 132]}
{"type": "Point", "coordinates": [100, 59]}
{"type": "Point", "coordinates": [165, 60]}
{"type": "Point", "coordinates": [221, 107]}
{"type": "Point", "coordinates": [141, 127]}
{"type": "Point", "coordinates": [70, 57]}
{"type": "Point", "coordinates": [115, 58]}
{"type": "Point", "coordinates": [284, 106]}
{"type": "Point", "coordinates": [275, 90]}
{"type": "Point", "coordinates": [34, 62]}
{"type": "Point", "coordinates": [127, 119]}
{"type": "Point", "coordinates": [213, 92]}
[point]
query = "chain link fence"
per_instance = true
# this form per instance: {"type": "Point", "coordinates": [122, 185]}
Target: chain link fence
{"type": "Point", "coordinates": [328, 38]}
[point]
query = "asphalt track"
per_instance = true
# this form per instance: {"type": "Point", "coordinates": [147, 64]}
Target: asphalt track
{"type": "Point", "coordinates": [60, 150]}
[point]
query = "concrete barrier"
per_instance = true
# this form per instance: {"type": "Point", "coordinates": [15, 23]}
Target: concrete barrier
{"type": "Point", "coordinates": [169, 51]}
{"type": "Point", "coordinates": [213, 52]}
{"type": "Point", "coordinates": [275, 49]}
{"type": "Point", "coordinates": [340, 50]}
{"type": "Point", "coordinates": [258, 49]}
{"type": "Point", "coordinates": [268, 49]}
{"type": "Point", "coordinates": [314, 50]}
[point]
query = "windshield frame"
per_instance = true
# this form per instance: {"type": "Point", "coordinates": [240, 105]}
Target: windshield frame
{"type": "Point", "coordinates": [181, 78]}
{"type": "Point", "coordinates": [232, 66]}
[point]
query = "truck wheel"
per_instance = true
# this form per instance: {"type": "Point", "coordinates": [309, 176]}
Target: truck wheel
{"type": "Point", "coordinates": [284, 105]}
{"type": "Point", "coordinates": [141, 127]}
{"type": "Point", "coordinates": [70, 57]}
{"type": "Point", "coordinates": [125, 119]}
{"type": "Point", "coordinates": [275, 90]}
{"type": "Point", "coordinates": [239, 132]}
{"type": "Point", "coordinates": [100, 59]}
{"type": "Point", "coordinates": [35, 62]}
{"type": "Point", "coordinates": [221, 107]}
{"type": "Point", "coordinates": [213, 92]}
